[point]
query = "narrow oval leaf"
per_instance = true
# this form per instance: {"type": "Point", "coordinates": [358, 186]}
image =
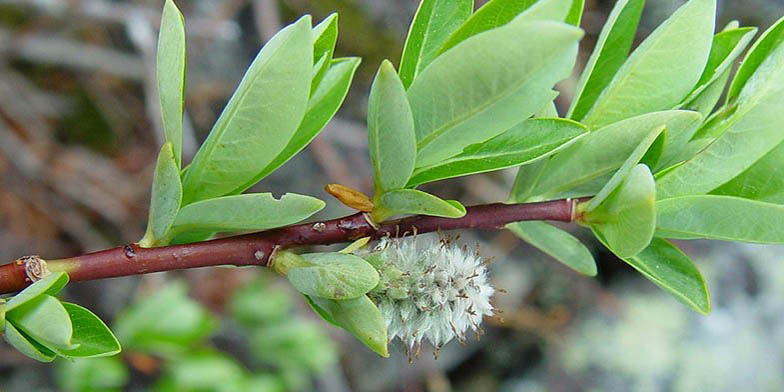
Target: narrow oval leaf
{"type": "Point", "coordinates": [433, 22]}
{"type": "Point", "coordinates": [170, 71]}
{"type": "Point", "coordinates": [471, 94]}
{"type": "Point", "coordinates": [360, 317]}
{"type": "Point", "coordinates": [626, 220]}
{"type": "Point", "coordinates": [45, 320]}
{"type": "Point", "coordinates": [672, 270]}
{"type": "Point", "coordinates": [662, 70]}
{"type": "Point", "coordinates": [334, 276]}
{"type": "Point", "coordinates": [556, 243]}
{"type": "Point", "coordinates": [603, 151]}
{"type": "Point", "coordinates": [412, 201]}
{"type": "Point", "coordinates": [49, 285]}
{"type": "Point", "coordinates": [253, 211]}
{"type": "Point", "coordinates": [762, 48]}
{"type": "Point", "coordinates": [609, 54]}
{"type": "Point", "coordinates": [764, 181]}
{"type": "Point", "coordinates": [260, 119]}
{"type": "Point", "coordinates": [93, 337]}
{"type": "Point", "coordinates": [26, 346]}
{"type": "Point", "coordinates": [530, 140]}
{"type": "Point", "coordinates": [322, 106]}
{"type": "Point", "coordinates": [721, 217]}
{"type": "Point", "coordinates": [325, 35]}
{"type": "Point", "coordinates": [391, 137]}
{"type": "Point", "coordinates": [626, 168]}
{"type": "Point", "coordinates": [165, 199]}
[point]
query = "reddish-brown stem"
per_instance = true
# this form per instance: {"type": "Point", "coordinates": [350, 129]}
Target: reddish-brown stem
{"type": "Point", "coordinates": [256, 248]}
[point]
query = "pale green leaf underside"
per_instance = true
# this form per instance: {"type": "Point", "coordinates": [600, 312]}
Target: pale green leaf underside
{"type": "Point", "coordinates": [722, 218]}
{"type": "Point", "coordinates": [391, 136]}
{"type": "Point", "coordinates": [471, 94]}
{"type": "Point", "coordinates": [165, 199]}
{"type": "Point", "coordinates": [530, 140]}
{"type": "Point", "coordinates": [252, 211]}
{"type": "Point", "coordinates": [360, 317]}
{"type": "Point", "coordinates": [337, 276]}
{"type": "Point", "coordinates": [260, 119]}
{"type": "Point", "coordinates": [672, 270]}
{"type": "Point", "coordinates": [764, 181]}
{"type": "Point", "coordinates": [412, 201]}
{"type": "Point", "coordinates": [434, 21]}
{"type": "Point", "coordinates": [45, 320]}
{"type": "Point", "coordinates": [27, 347]}
{"type": "Point", "coordinates": [662, 70]}
{"type": "Point", "coordinates": [762, 48]}
{"type": "Point", "coordinates": [170, 71]}
{"type": "Point", "coordinates": [325, 36]}
{"type": "Point", "coordinates": [556, 243]}
{"type": "Point", "coordinates": [50, 285]}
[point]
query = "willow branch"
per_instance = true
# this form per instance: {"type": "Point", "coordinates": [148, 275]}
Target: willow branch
{"type": "Point", "coordinates": [256, 248]}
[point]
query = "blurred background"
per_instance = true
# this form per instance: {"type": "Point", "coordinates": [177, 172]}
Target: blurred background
{"type": "Point", "coordinates": [79, 133]}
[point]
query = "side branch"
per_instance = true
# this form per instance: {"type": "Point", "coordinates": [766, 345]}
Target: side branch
{"type": "Point", "coordinates": [256, 248]}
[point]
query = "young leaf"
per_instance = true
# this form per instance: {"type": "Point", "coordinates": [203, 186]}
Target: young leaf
{"type": "Point", "coordinates": [721, 217]}
{"type": "Point", "coordinates": [749, 133]}
{"type": "Point", "coordinates": [471, 94]}
{"type": "Point", "coordinates": [325, 35]}
{"type": "Point", "coordinates": [170, 70]}
{"type": "Point", "coordinates": [523, 143]}
{"type": "Point", "coordinates": [165, 199]}
{"type": "Point", "coordinates": [45, 320]}
{"type": "Point", "coordinates": [626, 168]}
{"type": "Point", "coordinates": [672, 270]}
{"type": "Point", "coordinates": [360, 317]}
{"type": "Point", "coordinates": [608, 55]}
{"type": "Point", "coordinates": [433, 22]}
{"type": "Point", "coordinates": [260, 119]}
{"type": "Point", "coordinates": [603, 151]}
{"type": "Point", "coordinates": [49, 285]}
{"type": "Point", "coordinates": [322, 106]}
{"type": "Point", "coordinates": [762, 48]}
{"type": "Point", "coordinates": [412, 201]}
{"type": "Point", "coordinates": [662, 70]}
{"type": "Point", "coordinates": [336, 276]}
{"type": "Point", "coordinates": [391, 137]}
{"type": "Point", "coordinates": [556, 243]}
{"type": "Point", "coordinates": [93, 337]}
{"type": "Point", "coordinates": [626, 219]}
{"type": "Point", "coordinates": [27, 346]}
{"type": "Point", "coordinates": [252, 211]}
{"type": "Point", "coordinates": [764, 181]}
{"type": "Point", "coordinates": [94, 374]}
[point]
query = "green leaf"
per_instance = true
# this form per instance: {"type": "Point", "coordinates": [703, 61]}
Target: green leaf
{"type": "Point", "coordinates": [556, 243]}
{"type": "Point", "coordinates": [93, 337]}
{"type": "Point", "coordinates": [45, 320]}
{"type": "Point", "coordinates": [252, 211]}
{"type": "Point", "coordinates": [721, 217]}
{"type": "Point", "coordinates": [325, 35]}
{"type": "Point", "coordinates": [601, 152]}
{"type": "Point", "coordinates": [764, 181]}
{"type": "Point", "coordinates": [628, 165]}
{"type": "Point", "coordinates": [626, 219]}
{"type": "Point", "coordinates": [575, 14]}
{"type": "Point", "coordinates": [530, 140]}
{"type": "Point", "coordinates": [202, 371]}
{"type": "Point", "coordinates": [433, 22]}
{"type": "Point", "coordinates": [336, 276]}
{"type": "Point", "coordinates": [672, 270]}
{"type": "Point", "coordinates": [49, 285]}
{"type": "Point", "coordinates": [391, 137]}
{"type": "Point", "coordinates": [360, 317]}
{"type": "Point", "coordinates": [94, 374]}
{"type": "Point", "coordinates": [171, 75]}
{"type": "Point", "coordinates": [470, 94]}
{"type": "Point", "coordinates": [164, 201]}
{"type": "Point", "coordinates": [749, 133]}
{"type": "Point", "coordinates": [727, 46]}
{"type": "Point", "coordinates": [293, 343]}
{"type": "Point", "coordinates": [166, 322]}
{"type": "Point", "coordinates": [662, 70]}
{"type": "Point", "coordinates": [26, 345]}
{"type": "Point", "coordinates": [770, 40]}
{"type": "Point", "coordinates": [322, 106]}
{"type": "Point", "coordinates": [260, 119]}
{"type": "Point", "coordinates": [412, 201]}
{"type": "Point", "coordinates": [246, 308]}
{"type": "Point", "coordinates": [608, 55]}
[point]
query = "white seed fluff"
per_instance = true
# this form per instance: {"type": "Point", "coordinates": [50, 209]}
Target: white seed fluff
{"type": "Point", "coordinates": [443, 291]}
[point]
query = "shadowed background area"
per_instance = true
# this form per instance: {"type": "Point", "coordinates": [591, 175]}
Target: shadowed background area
{"type": "Point", "coordinates": [79, 132]}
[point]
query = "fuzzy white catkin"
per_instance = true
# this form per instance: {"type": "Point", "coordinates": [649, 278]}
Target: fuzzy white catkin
{"type": "Point", "coordinates": [442, 291]}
